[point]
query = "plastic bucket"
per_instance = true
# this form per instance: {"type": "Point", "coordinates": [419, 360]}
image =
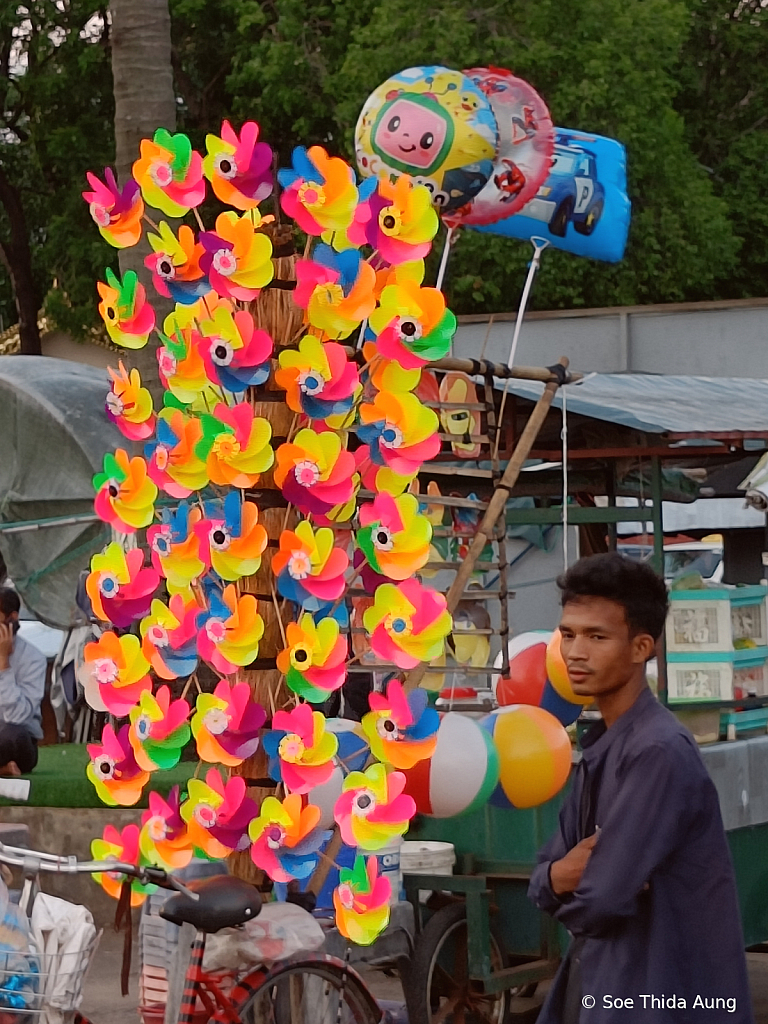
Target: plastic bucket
{"type": "Point", "coordinates": [427, 858]}
{"type": "Point", "coordinates": [389, 866]}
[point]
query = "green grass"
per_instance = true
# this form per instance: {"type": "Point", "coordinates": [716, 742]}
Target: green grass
{"type": "Point", "coordinates": [59, 780]}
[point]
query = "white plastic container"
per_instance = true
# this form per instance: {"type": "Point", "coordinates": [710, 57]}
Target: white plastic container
{"type": "Point", "coordinates": [389, 866]}
{"type": "Point", "coordinates": [427, 858]}
{"type": "Point", "coordinates": [716, 619]}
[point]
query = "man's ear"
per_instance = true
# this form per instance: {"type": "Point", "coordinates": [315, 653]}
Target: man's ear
{"type": "Point", "coordinates": [643, 648]}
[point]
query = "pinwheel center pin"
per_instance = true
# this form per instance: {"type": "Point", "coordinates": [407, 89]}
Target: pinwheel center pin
{"type": "Point", "coordinates": [106, 670]}
{"type": "Point", "coordinates": [382, 539]}
{"type": "Point", "coordinates": [216, 630]}
{"type": "Point", "coordinates": [307, 473]}
{"type": "Point", "coordinates": [111, 312]}
{"type": "Point", "coordinates": [346, 896]}
{"type": "Point", "coordinates": [115, 404]}
{"type": "Point", "coordinates": [311, 194]}
{"type": "Point", "coordinates": [301, 657]}
{"type": "Point", "coordinates": [166, 269]}
{"type": "Point", "coordinates": [299, 565]}
{"type": "Point", "coordinates": [216, 721]}
{"type": "Point", "coordinates": [390, 221]}
{"type": "Point", "coordinates": [143, 727]}
{"type": "Point", "coordinates": [222, 353]}
{"type": "Point", "coordinates": [161, 173]}
{"type": "Point", "coordinates": [220, 539]}
{"type": "Point", "coordinates": [330, 294]}
{"type": "Point", "coordinates": [291, 748]}
{"type": "Point", "coordinates": [226, 446]}
{"type": "Point", "coordinates": [100, 214]}
{"type": "Point", "coordinates": [108, 584]}
{"type": "Point", "coordinates": [161, 542]}
{"type": "Point", "coordinates": [398, 625]}
{"type": "Point", "coordinates": [225, 165]}
{"type": "Point", "coordinates": [104, 767]}
{"type": "Point", "coordinates": [225, 262]}
{"type": "Point", "coordinates": [167, 361]}
{"type": "Point", "coordinates": [364, 804]}
{"type": "Point", "coordinates": [158, 636]}
{"type": "Point", "coordinates": [391, 436]}
{"type": "Point", "coordinates": [161, 456]}
{"type": "Point", "coordinates": [387, 729]}
{"type": "Point", "coordinates": [205, 815]}
{"type": "Point", "coordinates": [157, 829]}
{"type": "Point", "coordinates": [409, 328]}
{"type": "Point", "coordinates": [113, 489]}
{"type": "Point", "coordinates": [311, 383]}
{"type": "Point", "coordinates": [275, 836]}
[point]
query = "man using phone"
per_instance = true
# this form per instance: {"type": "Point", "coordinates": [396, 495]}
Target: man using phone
{"type": "Point", "coordinates": [639, 870]}
{"type": "Point", "coordinates": [22, 685]}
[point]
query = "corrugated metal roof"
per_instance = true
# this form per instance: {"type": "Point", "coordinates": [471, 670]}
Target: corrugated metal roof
{"type": "Point", "coordinates": [685, 406]}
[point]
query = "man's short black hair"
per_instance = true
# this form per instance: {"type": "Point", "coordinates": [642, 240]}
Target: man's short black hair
{"type": "Point", "coordinates": [633, 585]}
{"type": "Point", "coordinates": [9, 601]}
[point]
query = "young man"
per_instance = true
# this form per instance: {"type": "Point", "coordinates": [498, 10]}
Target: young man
{"type": "Point", "coordinates": [639, 870]}
{"type": "Point", "coordinates": [22, 684]}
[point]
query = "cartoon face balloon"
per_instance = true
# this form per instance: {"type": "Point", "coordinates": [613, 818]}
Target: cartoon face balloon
{"type": "Point", "coordinates": [433, 124]}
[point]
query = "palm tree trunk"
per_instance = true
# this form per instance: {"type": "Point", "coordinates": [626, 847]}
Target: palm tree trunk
{"type": "Point", "coordinates": [17, 257]}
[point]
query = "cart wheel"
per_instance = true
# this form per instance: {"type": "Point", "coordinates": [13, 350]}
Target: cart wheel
{"type": "Point", "coordinates": [437, 986]}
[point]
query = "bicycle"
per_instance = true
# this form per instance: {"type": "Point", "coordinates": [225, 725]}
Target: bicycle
{"type": "Point", "coordinates": [314, 989]}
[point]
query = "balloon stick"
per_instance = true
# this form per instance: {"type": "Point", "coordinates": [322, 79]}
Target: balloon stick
{"type": "Point", "coordinates": [444, 258]}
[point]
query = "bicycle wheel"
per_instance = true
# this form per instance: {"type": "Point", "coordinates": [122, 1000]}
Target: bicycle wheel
{"type": "Point", "coordinates": [318, 991]}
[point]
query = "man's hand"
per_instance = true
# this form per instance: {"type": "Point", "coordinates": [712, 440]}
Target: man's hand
{"type": "Point", "coordinates": [565, 874]}
{"type": "Point", "coordinates": [6, 645]}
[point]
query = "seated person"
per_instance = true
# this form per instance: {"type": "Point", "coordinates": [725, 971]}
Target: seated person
{"type": "Point", "coordinates": [22, 685]}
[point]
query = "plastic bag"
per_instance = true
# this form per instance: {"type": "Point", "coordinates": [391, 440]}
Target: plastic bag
{"type": "Point", "coordinates": [280, 931]}
{"type": "Point", "coordinates": [19, 966]}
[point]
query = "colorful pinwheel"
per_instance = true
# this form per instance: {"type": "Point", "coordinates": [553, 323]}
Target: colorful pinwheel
{"type": "Point", "coordinates": [237, 259]}
{"type": "Point", "coordinates": [113, 769]}
{"type": "Point", "coordinates": [317, 475]}
{"type": "Point", "coordinates": [235, 446]}
{"type": "Point", "coordinates": [336, 290]}
{"type": "Point", "coordinates": [226, 724]}
{"type": "Point", "coordinates": [170, 173]}
{"type": "Point", "coordinates": [400, 432]}
{"type": "Point", "coordinates": [171, 460]}
{"type": "Point", "coordinates": [239, 169]}
{"type": "Point", "coordinates": [116, 673]}
{"type": "Point", "coordinates": [286, 838]}
{"type": "Point", "coordinates": [398, 220]}
{"type": "Point", "coordinates": [401, 728]}
{"type": "Point", "coordinates": [175, 265]}
{"type": "Point", "coordinates": [120, 588]}
{"type": "Point", "coordinates": [300, 750]}
{"type": "Point", "coordinates": [309, 569]}
{"type": "Point", "coordinates": [179, 360]}
{"type": "Point", "coordinates": [125, 496]}
{"type": "Point", "coordinates": [124, 847]}
{"type": "Point", "coordinates": [169, 637]}
{"type": "Point", "coordinates": [232, 539]}
{"type": "Point", "coordinates": [372, 808]}
{"type": "Point", "coordinates": [117, 212]}
{"type": "Point", "coordinates": [394, 537]}
{"type": "Point", "coordinates": [159, 730]}
{"type": "Point", "coordinates": [128, 317]}
{"type": "Point", "coordinates": [175, 547]}
{"type": "Point", "coordinates": [407, 623]}
{"type": "Point", "coordinates": [164, 840]}
{"type": "Point", "coordinates": [361, 901]}
{"type": "Point", "coordinates": [320, 192]}
{"type": "Point", "coordinates": [218, 814]}
{"type": "Point", "coordinates": [319, 379]}
{"type": "Point", "coordinates": [235, 354]}
{"type": "Point", "coordinates": [230, 631]}
{"type": "Point", "coordinates": [129, 405]}
{"type": "Point", "coordinates": [413, 325]}
{"type": "Point", "coordinates": [314, 662]}
{"type": "Point", "coordinates": [387, 374]}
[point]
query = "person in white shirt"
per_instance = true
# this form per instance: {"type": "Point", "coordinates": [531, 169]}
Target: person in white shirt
{"type": "Point", "coordinates": [22, 685]}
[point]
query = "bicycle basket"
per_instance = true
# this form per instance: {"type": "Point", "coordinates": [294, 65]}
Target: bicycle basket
{"type": "Point", "coordinates": [45, 987]}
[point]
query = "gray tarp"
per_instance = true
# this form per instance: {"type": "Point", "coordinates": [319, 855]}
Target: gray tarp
{"type": "Point", "coordinates": [54, 433]}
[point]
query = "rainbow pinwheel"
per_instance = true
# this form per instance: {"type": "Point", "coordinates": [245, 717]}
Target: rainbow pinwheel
{"type": "Point", "coordinates": [171, 460]}
{"type": "Point", "coordinates": [286, 838]}
{"type": "Point", "coordinates": [226, 724]}
{"type": "Point", "coordinates": [320, 192]}
{"type": "Point", "coordinates": [169, 637]}
{"type": "Point", "coordinates": [179, 360]}
{"type": "Point", "coordinates": [361, 901]}
{"type": "Point", "coordinates": [120, 588]}
{"type": "Point", "coordinates": [394, 537]}
{"type": "Point", "coordinates": [239, 169]}
{"type": "Point", "coordinates": [382, 480]}
{"type": "Point", "coordinates": [124, 847]}
{"type": "Point", "coordinates": [319, 379]}
{"type": "Point", "coordinates": [317, 475]}
{"type": "Point", "coordinates": [125, 495]}
{"type": "Point", "coordinates": [398, 220]}
{"type": "Point", "coordinates": [164, 840]}
{"type": "Point", "coordinates": [217, 814]}
{"type": "Point", "coordinates": [175, 547]}
{"type": "Point", "coordinates": [235, 354]}
{"type": "Point", "coordinates": [309, 569]}
{"type": "Point", "coordinates": [129, 405]}
{"type": "Point", "coordinates": [117, 212]}
{"type": "Point", "coordinates": [237, 259]}
{"type": "Point", "coordinates": [159, 730]}
{"type": "Point", "coordinates": [336, 290]}
{"type": "Point", "coordinates": [128, 317]}
{"type": "Point", "coordinates": [300, 750]}
{"type": "Point", "coordinates": [170, 173]}
{"type": "Point", "coordinates": [235, 445]}
{"type": "Point", "coordinates": [113, 769]}
{"type": "Point", "coordinates": [175, 264]}
{"type": "Point", "coordinates": [314, 663]}
{"type": "Point", "coordinates": [413, 325]}
{"type": "Point", "coordinates": [400, 432]}
{"type": "Point", "coordinates": [400, 728]}
{"type": "Point", "coordinates": [372, 808]}
{"type": "Point", "coordinates": [116, 673]}
{"type": "Point", "coordinates": [231, 537]}
{"type": "Point", "coordinates": [407, 623]}
{"type": "Point", "coordinates": [230, 631]}
{"type": "Point", "coordinates": [387, 374]}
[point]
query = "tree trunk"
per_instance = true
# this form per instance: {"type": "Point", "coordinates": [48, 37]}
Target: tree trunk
{"type": "Point", "coordinates": [17, 257]}
{"type": "Point", "coordinates": [144, 101]}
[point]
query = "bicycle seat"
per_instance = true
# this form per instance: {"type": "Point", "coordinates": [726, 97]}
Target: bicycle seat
{"type": "Point", "coordinates": [224, 903]}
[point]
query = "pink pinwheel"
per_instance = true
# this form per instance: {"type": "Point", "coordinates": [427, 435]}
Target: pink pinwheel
{"type": "Point", "coordinates": [235, 354]}
{"type": "Point", "coordinates": [407, 623]}
{"type": "Point", "coordinates": [230, 630]}
{"type": "Point", "coordinates": [239, 168]}
{"type": "Point", "coordinates": [164, 840]}
{"type": "Point", "coordinates": [116, 211]}
{"type": "Point", "coordinates": [113, 769]}
{"type": "Point", "coordinates": [286, 838]}
{"type": "Point", "coordinates": [372, 808]}
{"type": "Point", "coordinates": [169, 637]}
{"type": "Point", "coordinates": [400, 728]}
{"type": "Point", "coordinates": [361, 901]}
{"type": "Point", "coordinates": [300, 751]}
{"type": "Point", "coordinates": [129, 405]}
{"type": "Point", "coordinates": [218, 814]}
{"type": "Point", "coordinates": [226, 724]}
{"type": "Point", "coordinates": [309, 568]}
{"type": "Point", "coordinates": [116, 673]}
{"type": "Point", "coordinates": [317, 475]}
{"type": "Point", "coordinates": [120, 588]}
{"type": "Point", "coordinates": [159, 730]}
{"type": "Point", "coordinates": [237, 259]}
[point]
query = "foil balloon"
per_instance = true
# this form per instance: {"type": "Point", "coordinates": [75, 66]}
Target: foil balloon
{"type": "Point", "coordinates": [434, 124]}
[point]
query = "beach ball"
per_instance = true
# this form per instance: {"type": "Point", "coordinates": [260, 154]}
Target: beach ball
{"type": "Point", "coordinates": [460, 775]}
{"type": "Point", "coordinates": [534, 755]}
{"type": "Point", "coordinates": [564, 711]}
{"type": "Point", "coordinates": [527, 669]}
{"type": "Point", "coordinates": [433, 124]}
{"type": "Point", "coordinates": [557, 673]}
